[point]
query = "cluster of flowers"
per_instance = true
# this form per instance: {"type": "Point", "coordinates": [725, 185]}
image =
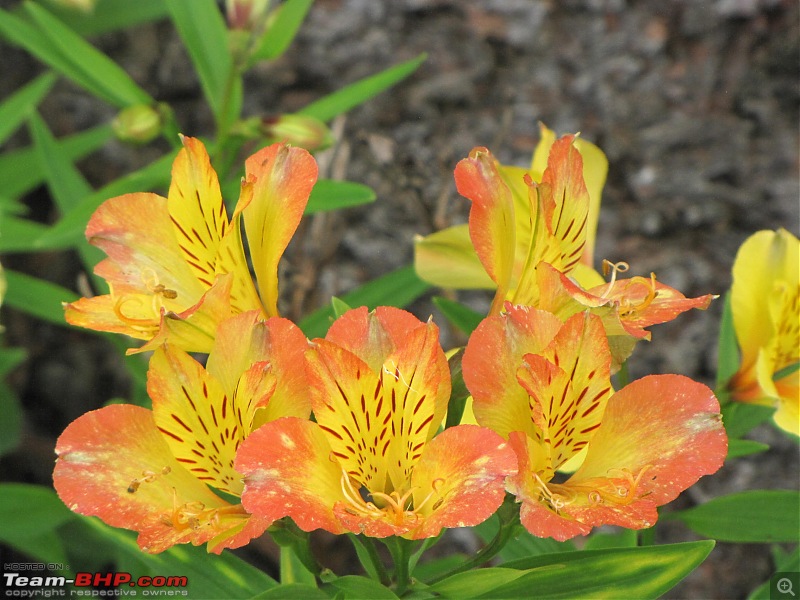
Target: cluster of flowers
{"type": "Point", "coordinates": [230, 447]}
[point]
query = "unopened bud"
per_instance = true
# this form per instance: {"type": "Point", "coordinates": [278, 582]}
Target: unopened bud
{"type": "Point", "coordinates": [86, 6]}
{"type": "Point", "coordinates": [245, 14]}
{"type": "Point", "coordinates": [298, 130]}
{"type": "Point", "coordinates": [138, 124]}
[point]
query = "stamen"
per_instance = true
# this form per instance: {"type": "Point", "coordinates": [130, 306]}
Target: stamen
{"type": "Point", "coordinates": [613, 268]}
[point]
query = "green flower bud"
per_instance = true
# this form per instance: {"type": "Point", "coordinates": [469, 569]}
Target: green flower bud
{"type": "Point", "coordinates": [138, 124]}
{"type": "Point", "coordinates": [298, 130]}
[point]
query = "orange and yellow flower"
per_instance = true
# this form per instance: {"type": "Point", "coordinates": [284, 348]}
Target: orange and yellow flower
{"type": "Point", "coordinates": [373, 462]}
{"type": "Point", "coordinates": [155, 472]}
{"type": "Point", "coordinates": [176, 266]}
{"type": "Point", "coordinates": [765, 301]}
{"type": "Point", "coordinates": [545, 386]}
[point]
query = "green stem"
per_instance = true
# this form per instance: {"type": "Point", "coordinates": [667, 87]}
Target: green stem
{"type": "Point", "coordinates": [288, 535]}
{"type": "Point", "coordinates": [400, 550]}
{"type": "Point", "coordinates": [509, 526]}
{"type": "Point", "coordinates": [370, 560]}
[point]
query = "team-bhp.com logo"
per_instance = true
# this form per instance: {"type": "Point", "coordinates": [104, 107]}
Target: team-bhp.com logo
{"type": "Point", "coordinates": [30, 586]}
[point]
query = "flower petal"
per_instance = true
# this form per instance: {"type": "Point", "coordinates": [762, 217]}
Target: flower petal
{"type": "Point", "coordinates": [113, 463]}
{"type": "Point", "coordinates": [491, 358]}
{"type": "Point", "coordinates": [492, 225]}
{"type": "Point", "coordinates": [665, 431]}
{"type": "Point", "coordinates": [458, 481]}
{"type": "Point", "coordinates": [447, 259]}
{"type": "Point", "coordinates": [288, 472]}
{"type": "Point", "coordinates": [196, 209]}
{"type": "Point", "coordinates": [201, 424]}
{"type": "Point", "coordinates": [283, 178]}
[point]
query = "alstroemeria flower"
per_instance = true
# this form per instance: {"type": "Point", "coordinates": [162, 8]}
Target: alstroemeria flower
{"type": "Point", "coordinates": [150, 471]}
{"type": "Point", "coordinates": [626, 306]}
{"type": "Point", "coordinates": [373, 462]}
{"type": "Point", "coordinates": [519, 217]}
{"type": "Point", "coordinates": [545, 387]}
{"type": "Point", "coordinates": [176, 266]}
{"type": "Point", "coordinates": [765, 300]}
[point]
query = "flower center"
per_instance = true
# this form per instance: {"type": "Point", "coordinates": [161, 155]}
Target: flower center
{"type": "Point", "coordinates": [620, 487]}
{"type": "Point", "coordinates": [152, 314]}
{"type": "Point", "coordinates": [194, 515]}
{"type": "Point", "coordinates": [393, 505]}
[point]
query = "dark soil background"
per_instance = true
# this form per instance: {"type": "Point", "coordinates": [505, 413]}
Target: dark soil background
{"type": "Point", "coordinates": [695, 103]}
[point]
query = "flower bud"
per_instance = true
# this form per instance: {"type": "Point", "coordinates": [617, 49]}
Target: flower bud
{"type": "Point", "coordinates": [298, 130]}
{"type": "Point", "coordinates": [138, 124]}
{"type": "Point", "coordinates": [86, 6]}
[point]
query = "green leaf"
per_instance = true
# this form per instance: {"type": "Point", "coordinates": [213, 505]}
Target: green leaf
{"type": "Point", "coordinates": [293, 591]}
{"type": "Point", "coordinates": [459, 315]}
{"type": "Point", "coordinates": [31, 513]}
{"type": "Point", "coordinates": [625, 538]}
{"type": "Point", "coordinates": [431, 569]}
{"type": "Point", "coordinates": [110, 15]}
{"type": "Point", "coordinates": [789, 563]}
{"type": "Point", "coordinates": [740, 418]}
{"type": "Point", "coordinates": [473, 584]}
{"type": "Point", "coordinates": [524, 544]}
{"type": "Point", "coordinates": [67, 186]}
{"type": "Point", "coordinates": [329, 194]}
{"type": "Point", "coordinates": [339, 307]}
{"type": "Point", "coordinates": [11, 423]}
{"type": "Point", "coordinates": [203, 31]}
{"type": "Point", "coordinates": [209, 576]}
{"type": "Point", "coordinates": [70, 229]}
{"type": "Point", "coordinates": [737, 448]}
{"type": "Point", "coordinates": [293, 570]}
{"type": "Point", "coordinates": [458, 391]}
{"type": "Point", "coordinates": [642, 572]}
{"type": "Point", "coordinates": [15, 109]}
{"type": "Point", "coordinates": [37, 297]}
{"type": "Point", "coordinates": [283, 29]}
{"type": "Point", "coordinates": [357, 93]}
{"type": "Point", "coordinates": [356, 587]}
{"type": "Point", "coordinates": [398, 288]}
{"type": "Point", "coordinates": [751, 516]}
{"type": "Point", "coordinates": [786, 371]}
{"type": "Point", "coordinates": [19, 235]}
{"type": "Point", "coordinates": [728, 350]}
{"type": "Point", "coordinates": [65, 51]}
{"type": "Point", "coordinates": [20, 171]}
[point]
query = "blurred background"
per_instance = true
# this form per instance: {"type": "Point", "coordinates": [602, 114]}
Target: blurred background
{"type": "Point", "coordinates": [696, 104]}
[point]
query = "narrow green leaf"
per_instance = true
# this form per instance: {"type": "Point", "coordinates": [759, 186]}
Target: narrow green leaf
{"type": "Point", "coordinates": [727, 348]}
{"type": "Point", "coordinates": [459, 315]}
{"type": "Point", "coordinates": [202, 29]}
{"type": "Point", "coordinates": [293, 570]}
{"type": "Point", "coordinates": [642, 572]}
{"type": "Point", "coordinates": [523, 545]}
{"type": "Point", "coordinates": [398, 288]}
{"type": "Point", "coordinates": [625, 538]}
{"type": "Point", "coordinates": [110, 15]}
{"type": "Point", "coordinates": [29, 511]}
{"type": "Point", "coordinates": [293, 591]}
{"type": "Point", "coordinates": [356, 587]}
{"type": "Point", "coordinates": [209, 576]}
{"type": "Point", "coordinates": [329, 194]}
{"type": "Point", "coordinates": [357, 93]}
{"type": "Point", "coordinates": [20, 171]}
{"type": "Point", "coordinates": [458, 391]}
{"type": "Point", "coordinates": [15, 109]}
{"type": "Point", "coordinates": [36, 297]}
{"type": "Point", "coordinates": [789, 563]}
{"type": "Point", "coordinates": [738, 447]}
{"type": "Point", "coordinates": [474, 583]}
{"type": "Point", "coordinates": [67, 186]}
{"type": "Point", "coordinates": [740, 418]}
{"type": "Point", "coordinates": [431, 569]}
{"type": "Point", "coordinates": [786, 371]}
{"type": "Point", "coordinates": [283, 29]}
{"type": "Point", "coordinates": [751, 516]}
{"type": "Point", "coordinates": [11, 423]}
{"type": "Point", "coordinates": [19, 235]}
{"type": "Point", "coordinates": [10, 359]}
{"type": "Point", "coordinates": [68, 53]}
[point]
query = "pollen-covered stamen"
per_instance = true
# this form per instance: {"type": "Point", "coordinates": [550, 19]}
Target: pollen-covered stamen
{"type": "Point", "coordinates": [630, 307]}
{"type": "Point", "coordinates": [614, 269]}
{"type": "Point", "coordinates": [148, 326]}
{"type": "Point", "coordinates": [556, 496]}
{"type": "Point", "coordinates": [147, 477]}
{"type": "Point", "coordinates": [621, 487]}
{"type": "Point", "coordinates": [194, 515]}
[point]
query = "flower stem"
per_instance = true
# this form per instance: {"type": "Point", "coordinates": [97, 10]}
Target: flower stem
{"type": "Point", "coordinates": [370, 560]}
{"type": "Point", "coordinates": [509, 526]}
{"type": "Point", "coordinates": [400, 550]}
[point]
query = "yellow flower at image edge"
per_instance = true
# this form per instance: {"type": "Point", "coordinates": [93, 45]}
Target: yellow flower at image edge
{"type": "Point", "coordinates": [765, 302]}
{"type": "Point", "coordinates": [373, 462]}
{"type": "Point", "coordinates": [176, 266]}
{"type": "Point", "coordinates": [153, 471]}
